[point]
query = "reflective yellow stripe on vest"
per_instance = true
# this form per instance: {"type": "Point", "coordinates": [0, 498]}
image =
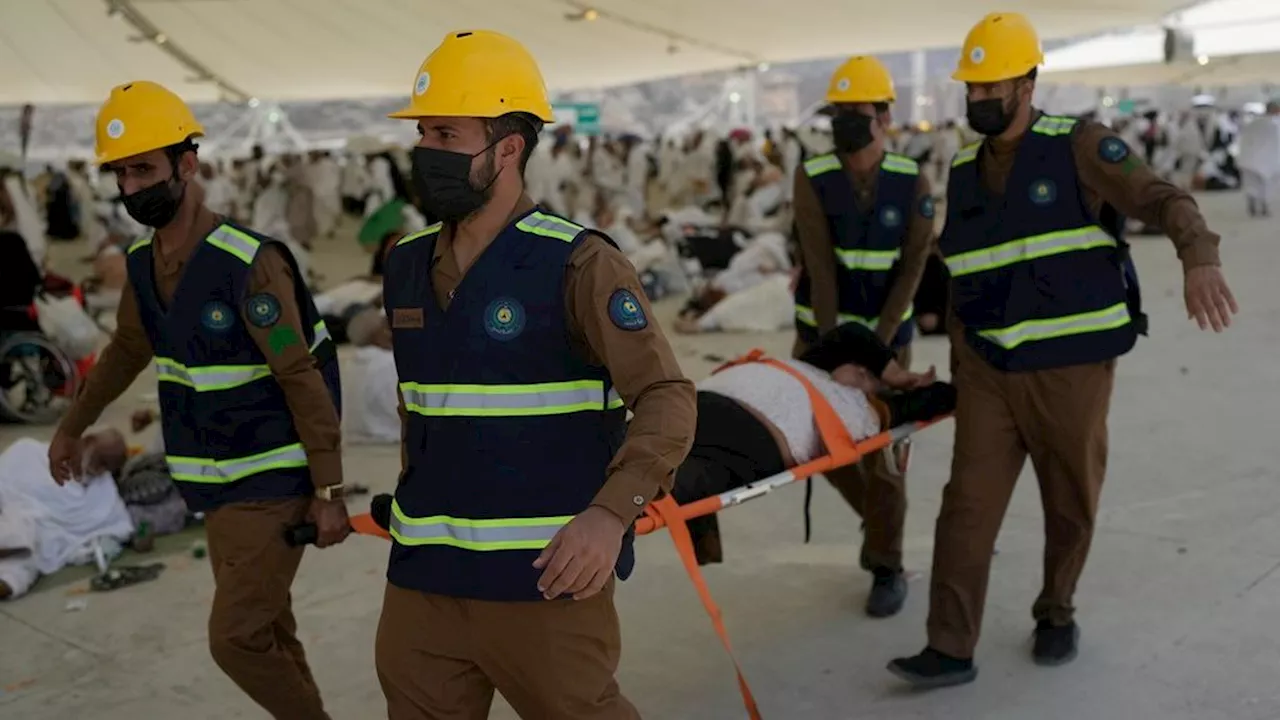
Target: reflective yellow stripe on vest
{"type": "Point", "coordinates": [139, 245]}
{"type": "Point", "coordinates": [813, 167]}
{"type": "Point", "coordinates": [967, 154]}
{"type": "Point", "coordinates": [1037, 246]}
{"type": "Point", "coordinates": [539, 223]}
{"type": "Point", "coordinates": [871, 260]}
{"type": "Point", "coordinates": [425, 232]}
{"type": "Point", "coordinates": [209, 378]}
{"type": "Point", "coordinates": [321, 332]}
{"type": "Point", "coordinates": [221, 472]}
{"type": "Point", "coordinates": [557, 398]}
{"type": "Point", "coordinates": [1051, 125]}
{"type": "Point", "coordinates": [481, 535]}
{"type": "Point", "coordinates": [805, 315]}
{"type": "Point", "coordinates": [900, 164]}
{"type": "Point", "coordinates": [240, 245]}
{"type": "Point", "coordinates": [1110, 318]}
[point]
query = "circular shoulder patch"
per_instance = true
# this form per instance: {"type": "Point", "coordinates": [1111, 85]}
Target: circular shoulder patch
{"type": "Point", "coordinates": [890, 216]}
{"type": "Point", "coordinates": [1113, 150]}
{"type": "Point", "coordinates": [927, 209]}
{"type": "Point", "coordinates": [1043, 192]}
{"type": "Point", "coordinates": [217, 316]}
{"type": "Point", "coordinates": [263, 310]}
{"type": "Point", "coordinates": [625, 311]}
{"type": "Point", "coordinates": [504, 319]}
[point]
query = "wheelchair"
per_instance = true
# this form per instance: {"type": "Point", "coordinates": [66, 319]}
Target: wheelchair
{"type": "Point", "coordinates": [38, 379]}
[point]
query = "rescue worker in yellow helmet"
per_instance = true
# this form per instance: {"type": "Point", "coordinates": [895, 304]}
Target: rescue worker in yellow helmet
{"type": "Point", "coordinates": [864, 222]}
{"type": "Point", "coordinates": [248, 385]}
{"type": "Point", "coordinates": [520, 340]}
{"type": "Point", "coordinates": [1045, 299]}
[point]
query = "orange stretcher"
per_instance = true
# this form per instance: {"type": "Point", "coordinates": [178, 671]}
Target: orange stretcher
{"type": "Point", "coordinates": [841, 448]}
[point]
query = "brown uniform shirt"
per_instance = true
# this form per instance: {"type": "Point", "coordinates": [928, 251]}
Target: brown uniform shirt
{"type": "Point", "coordinates": [641, 363]}
{"type": "Point", "coordinates": [130, 351]}
{"type": "Point", "coordinates": [818, 255]}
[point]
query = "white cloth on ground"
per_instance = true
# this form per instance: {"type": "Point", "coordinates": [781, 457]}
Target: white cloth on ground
{"type": "Point", "coordinates": [764, 307]}
{"type": "Point", "coordinates": [765, 255]}
{"type": "Point", "coordinates": [61, 522]}
{"type": "Point", "coordinates": [370, 411]}
{"type": "Point", "coordinates": [358, 291]}
{"type": "Point", "coordinates": [783, 401]}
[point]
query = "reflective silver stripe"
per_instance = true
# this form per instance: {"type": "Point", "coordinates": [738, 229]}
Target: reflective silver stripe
{"type": "Point", "coordinates": [1033, 330]}
{"type": "Point", "coordinates": [228, 239]}
{"type": "Point", "coordinates": [429, 230]}
{"type": "Point", "coordinates": [614, 399]}
{"type": "Point", "coordinates": [900, 164]}
{"type": "Point", "coordinates": [814, 167]}
{"type": "Point", "coordinates": [480, 535]}
{"type": "Point", "coordinates": [540, 223]}
{"type": "Point", "coordinates": [871, 260]}
{"type": "Point", "coordinates": [322, 333]}
{"type": "Point", "coordinates": [506, 400]}
{"type": "Point", "coordinates": [967, 153]}
{"type": "Point", "coordinates": [216, 472]}
{"type": "Point", "coordinates": [805, 315]}
{"type": "Point", "coordinates": [1023, 249]}
{"type": "Point", "coordinates": [210, 378]}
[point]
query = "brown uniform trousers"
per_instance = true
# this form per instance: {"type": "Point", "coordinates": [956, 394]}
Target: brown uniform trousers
{"type": "Point", "coordinates": [251, 626]}
{"type": "Point", "coordinates": [1058, 418]}
{"type": "Point", "coordinates": [441, 658]}
{"type": "Point", "coordinates": [879, 496]}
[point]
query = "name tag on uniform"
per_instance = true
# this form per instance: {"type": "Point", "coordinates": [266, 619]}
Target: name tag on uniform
{"type": "Point", "coordinates": [406, 318]}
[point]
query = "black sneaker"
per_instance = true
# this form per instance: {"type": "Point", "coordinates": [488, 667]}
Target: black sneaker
{"type": "Point", "coordinates": [1055, 644]}
{"type": "Point", "coordinates": [931, 670]}
{"type": "Point", "coordinates": [888, 593]}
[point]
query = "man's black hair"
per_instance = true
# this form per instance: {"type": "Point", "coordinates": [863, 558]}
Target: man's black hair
{"type": "Point", "coordinates": [523, 124]}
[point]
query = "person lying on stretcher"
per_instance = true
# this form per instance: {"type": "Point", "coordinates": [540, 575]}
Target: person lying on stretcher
{"type": "Point", "coordinates": [756, 420]}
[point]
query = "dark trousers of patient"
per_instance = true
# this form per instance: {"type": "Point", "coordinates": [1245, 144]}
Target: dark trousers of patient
{"type": "Point", "coordinates": [730, 449]}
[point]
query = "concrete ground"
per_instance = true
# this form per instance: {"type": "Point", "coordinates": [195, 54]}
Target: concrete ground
{"type": "Point", "coordinates": [1178, 604]}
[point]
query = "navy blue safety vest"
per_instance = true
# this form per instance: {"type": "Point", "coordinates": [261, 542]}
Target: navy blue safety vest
{"type": "Point", "coordinates": [228, 433]}
{"type": "Point", "coordinates": [1037, 281]}
{"type": "Point", "coordinates": [867, 244]}
{"type": "Point", "coordinates": [806, 323]}
{"type": "Point", "coordinates": [510, 430]}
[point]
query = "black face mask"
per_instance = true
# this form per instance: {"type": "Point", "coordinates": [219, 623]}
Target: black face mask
{"type": "Point", "coordinates": [989, 117]}
{"type": "Point", "coordinates": [156, 205]}
{"type": "Point", "coordinates": [442, 180]}
{"type": "Point", "coordinates": [851, 131]}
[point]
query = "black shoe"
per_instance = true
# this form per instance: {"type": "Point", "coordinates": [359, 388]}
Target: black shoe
{"type": "Point", "coordinates": [931, 670]}
{"type": "Point", "coordinates": [888, 593]}
{"type": "Point", "coordinates": [1055, 644]}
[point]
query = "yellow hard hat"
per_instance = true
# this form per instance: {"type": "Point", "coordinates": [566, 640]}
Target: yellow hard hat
{"type": "Point", "coordinates": [140, 117]}
{"type": "Point", "coordinates": [1002, 46]}
{"type": "Point", "coordinates": [861, 79]}
{"type": "Point", "coordinates": [478, 73]}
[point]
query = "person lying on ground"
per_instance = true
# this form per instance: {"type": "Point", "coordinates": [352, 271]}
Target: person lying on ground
{"type": "Point", "coordinates": [755, 420]}
{"type": "Point", "coordinates": [45, 526]}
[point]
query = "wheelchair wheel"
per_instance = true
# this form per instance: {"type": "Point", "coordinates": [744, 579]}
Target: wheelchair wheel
{"type": "Point", "coordinates": [37, 380]}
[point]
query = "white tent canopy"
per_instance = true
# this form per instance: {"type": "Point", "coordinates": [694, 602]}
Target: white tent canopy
{"type": "Point", "coordinates": [70, 51]}
{"type": "Point", "coordinates": [1237, 42]}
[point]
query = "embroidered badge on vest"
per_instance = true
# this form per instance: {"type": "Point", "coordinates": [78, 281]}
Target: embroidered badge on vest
{"type": "Point", "coordinates": [217, 316]}
{"type": "Point", "coordinates": [504, 319]}
{"type": "Point", "coordinates": [1043, 192]}
{"type": "Point", "coordinates": [927, 208]}
{"type": "Point", "coordinates": [625, 311]}
{"type": "Point", "coordinates": [263, 310]}
{"type": "Point", "coordinates": [890, 216]}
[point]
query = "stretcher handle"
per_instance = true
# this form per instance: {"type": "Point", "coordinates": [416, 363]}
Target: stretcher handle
{"type": "Point", "coordinates": [653, 521]}
{"type": "Point", "coordinates": [375, 522]}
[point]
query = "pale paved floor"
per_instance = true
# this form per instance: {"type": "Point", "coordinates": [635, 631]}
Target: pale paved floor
{"type": "Point", "coordinates": [1179, 603]}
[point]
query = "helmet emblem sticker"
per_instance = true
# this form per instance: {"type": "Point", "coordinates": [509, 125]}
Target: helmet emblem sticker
{"type": "Point", "coordinates": [115, 129]}
{"type": "Point", "coordinates": [424, 81]}
{"type": "Point", "coordinates": [843, 85]}
{"type": "Point", "coordinates": [977, 55]}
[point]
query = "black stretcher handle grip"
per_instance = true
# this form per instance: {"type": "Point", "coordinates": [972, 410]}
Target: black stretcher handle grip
{"type": "Point", "coordinates": [306, 533]}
